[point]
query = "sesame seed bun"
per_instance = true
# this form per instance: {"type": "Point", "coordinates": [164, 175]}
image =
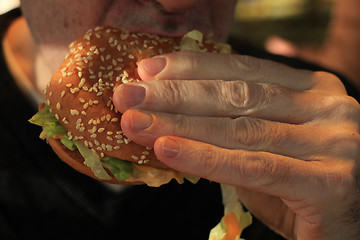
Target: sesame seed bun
{"type": "Point", "coordinates": [81, 90]}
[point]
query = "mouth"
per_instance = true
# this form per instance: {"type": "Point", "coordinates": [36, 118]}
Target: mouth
{"type": "Point", "coordinates": [150, 16]}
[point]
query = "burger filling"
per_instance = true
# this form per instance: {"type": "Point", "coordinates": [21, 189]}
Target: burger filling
{"type": "Point", "coordinates": [122, 170]}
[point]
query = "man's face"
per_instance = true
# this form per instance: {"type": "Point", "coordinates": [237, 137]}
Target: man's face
{"type": "Point", "coordinates": [56, 23]}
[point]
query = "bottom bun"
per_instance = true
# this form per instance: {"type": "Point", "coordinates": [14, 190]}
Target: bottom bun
{"type": "Point", "coordinates": [76, 161]}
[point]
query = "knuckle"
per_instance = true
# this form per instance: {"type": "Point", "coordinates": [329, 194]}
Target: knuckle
{"type": "Point", "coordinates": [245, 98]}
{"type": "Point", "coordinates": [247, 131]}
{"type": "Point", "coordinates": [182, 126]}
{"type": "Point", "coordinates": [257, 134]}
{"type": "Point", "coordinates": [263, 170]}
{"type": "Point", "coordinates": [345, 143]}
{"type": "Point", "coordinates": [329, 79]}
{"type": "Point", "coordinates": [210, 162]}
{"type": "Point", "coordinates": [238, 97]}
{"type": "Point", "coordinates": [341, 106]}
{"type": "Point", "coordinates": [173, 93]}
{"type": "Point", "coordinates": [247, 65]}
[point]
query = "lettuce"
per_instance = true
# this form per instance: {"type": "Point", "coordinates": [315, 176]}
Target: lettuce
{"type": "Point", "coordinates": [68, 143]}
{"type": "Point", "coordinates": [51, 127]}
{"type": "Point", "coordinates": [93, 161]}
{"type": "Point", "coordinates": [121, 170]}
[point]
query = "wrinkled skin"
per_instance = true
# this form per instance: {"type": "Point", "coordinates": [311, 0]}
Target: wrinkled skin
{"type": "Point", "coordinates": [287, 139]}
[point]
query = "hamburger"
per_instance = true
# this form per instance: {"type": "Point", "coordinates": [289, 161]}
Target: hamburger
{"type": "Point", "coordinates": [79, 119]}
{"type": "Point", "coordinates": [82, 125]}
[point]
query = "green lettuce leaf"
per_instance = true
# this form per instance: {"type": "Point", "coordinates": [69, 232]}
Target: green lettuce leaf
{"type": "Point", "coordinates": [93, 161]}
{"type": "Point", "coordinates": [51, 127]}
{"type": "Point", "coordinates": [68, 143]}
{"type": "Point", "coordinates": [121, 170]}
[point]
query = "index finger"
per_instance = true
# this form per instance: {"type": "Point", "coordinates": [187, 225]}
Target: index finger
{"type": "Point", "coordinates": [191, 65]}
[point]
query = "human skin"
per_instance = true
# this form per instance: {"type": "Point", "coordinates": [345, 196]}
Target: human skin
{"type": "Point", "coordinates": [56, 23]}
{"type": "Point", "coordinates": [287, 139]}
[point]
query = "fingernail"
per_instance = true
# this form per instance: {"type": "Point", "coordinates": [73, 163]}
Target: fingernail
{"type": "Point", "coordinates": [154, 66]}
{"type": "Point", "coordinates": [131, 95]}
{"type": "Point", "coordinates": [170, 148]}
{"type": "Point", "coordinates": [140, 120]}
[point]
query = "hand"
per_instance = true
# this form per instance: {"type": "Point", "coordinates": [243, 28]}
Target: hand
{"type": "Point", "coordinates": [288, 139]}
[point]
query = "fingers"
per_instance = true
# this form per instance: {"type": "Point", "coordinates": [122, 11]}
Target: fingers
{"type": "Point", "coordinates": [225, 99]}
{"type": "Point", "coordinates": [259, 171]}
{"type": "Point", "coordinates": [194, 65]}
{"type": "Point", "coordinates": [246, 133]}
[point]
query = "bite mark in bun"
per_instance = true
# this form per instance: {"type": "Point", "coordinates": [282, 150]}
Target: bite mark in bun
{"type": "Point", "coordinates": [79, 96]}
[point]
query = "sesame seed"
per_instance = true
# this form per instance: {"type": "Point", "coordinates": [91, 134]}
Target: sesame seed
{"type": "Point", "coordinates": [74, 112]}
{"type": "Point", "coordinates": [114, 120]}
{"type": "Point", "coordinates": [93, 130]}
